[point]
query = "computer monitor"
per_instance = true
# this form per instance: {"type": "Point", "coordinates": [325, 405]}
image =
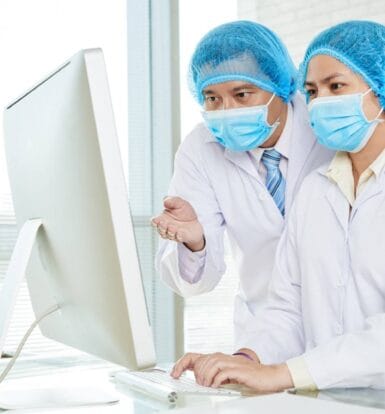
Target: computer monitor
{"type": "Point", "coordinates": [65, 169]}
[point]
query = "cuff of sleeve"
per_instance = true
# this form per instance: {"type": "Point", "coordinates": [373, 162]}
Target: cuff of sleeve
{"type": "Point", "coordinates": [190, 256]}
{"type": "Point", "coordinates": [190, 264]}
{"type": "Point", "coordinates": [300, 374]}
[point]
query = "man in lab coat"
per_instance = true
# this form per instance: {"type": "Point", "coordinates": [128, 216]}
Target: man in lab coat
{"type": "Point", "coordinates": [239, 170]}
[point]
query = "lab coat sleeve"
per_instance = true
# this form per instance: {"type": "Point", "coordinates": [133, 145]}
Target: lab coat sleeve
{"type": "Point", "coordinates": [190, 274]}
{"type": "Point", "coordinates": [356, 359]}
{"type": "Point", "coordinates": [278, 333]}
{"type": "Point", "coordinates": [191, 264]}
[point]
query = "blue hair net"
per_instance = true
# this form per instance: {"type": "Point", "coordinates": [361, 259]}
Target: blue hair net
{"type": "Point", "coordinates": [358, 44]}
{"type": "Point", "coordinates": [246, 51]}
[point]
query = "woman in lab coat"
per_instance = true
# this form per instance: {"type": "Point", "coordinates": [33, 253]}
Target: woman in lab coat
{"type": "Point", "coordinates": [324, 323]}
{"type": "Point", "coordinates": [256, 141]}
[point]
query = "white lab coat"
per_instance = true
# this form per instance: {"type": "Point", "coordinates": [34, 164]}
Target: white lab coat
{"type": "Point", "coordinates": [227, 192]}
{"type": "Point", "coordinates": [327, 294]}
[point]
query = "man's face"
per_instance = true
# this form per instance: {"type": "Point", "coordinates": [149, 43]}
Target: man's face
{"type": "Point", "coordinates": [238, 94]}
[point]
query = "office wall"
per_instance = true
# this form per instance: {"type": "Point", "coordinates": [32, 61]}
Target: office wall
{"type": "Point", "coordinates": [298, 21]}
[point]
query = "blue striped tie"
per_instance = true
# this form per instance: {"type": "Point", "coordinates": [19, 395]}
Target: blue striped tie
{"type": "Point", "coordinates": [275, 182]}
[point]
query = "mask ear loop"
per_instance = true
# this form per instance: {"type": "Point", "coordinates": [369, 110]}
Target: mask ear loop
{"type": "Point", "coordinates": [380, 111]}
{"type": "Point", "coordinates": [276, 122]}
{"type": "Point", "coordinates": [271, 99]}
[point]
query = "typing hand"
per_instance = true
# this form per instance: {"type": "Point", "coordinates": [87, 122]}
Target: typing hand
{"type": "Point", "coordinates": [179, 222]}
{"type": "Point", "coordinates": [196, 362]}
{"type": "Point", "coordinates": [213, 370]}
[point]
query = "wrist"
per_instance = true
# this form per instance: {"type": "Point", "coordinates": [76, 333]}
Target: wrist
{"type": "Point", "coordinates": [247, 353]}
{"type": "Point", "coordinates": [243, 354]}
{"type": "Point", "coordinates": [196, 246]}
{"type": "Point", "coordinates": [283, 376]}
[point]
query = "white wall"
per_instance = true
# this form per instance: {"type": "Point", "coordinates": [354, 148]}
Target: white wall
{"type": "Point", "coordinates": [298, 21]}
{"type": "Point", "coordinates": [38, 36]}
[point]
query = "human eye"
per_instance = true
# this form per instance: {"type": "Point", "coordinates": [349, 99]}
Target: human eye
{"type": "Point", "coordinates": [210, 98]}
{"type": "Point", "coordinates": [212, 102]}
{"type": "Point", "coordinates": [243, 95]}
{"type": "Point", "coordinates": [311, 93]}
{"type": "Point", "coordinates": [335, 86]}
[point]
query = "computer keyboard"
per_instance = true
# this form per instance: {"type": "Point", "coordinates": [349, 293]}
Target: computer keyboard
{"type": "Point", "coordinates": [159, 384]}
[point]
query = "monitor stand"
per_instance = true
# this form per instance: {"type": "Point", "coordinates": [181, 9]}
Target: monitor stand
{"type": "Point", "coordinates": [36, 398]}
{"type": "Point", "coordinates": [15, 275]}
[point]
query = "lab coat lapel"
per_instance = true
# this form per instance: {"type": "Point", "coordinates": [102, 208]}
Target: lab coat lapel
{"type": "Point", "coordinates": [373, 188]}
{"type": "Point", "coordinates": [243, 160]}
{"type": "Point", "coordinates": [339, 205]}
{"type": "Point", "coordinates": [301, 144]}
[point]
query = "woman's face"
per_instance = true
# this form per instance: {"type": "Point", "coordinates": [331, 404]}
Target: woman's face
{"type": "Point", "coordinates": [327, 76]}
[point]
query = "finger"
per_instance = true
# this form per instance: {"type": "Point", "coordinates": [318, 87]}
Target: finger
{"type": "Point", "coordinates": [227, 375]}
{"type": "Point", "coordinates": [155, 221]}
{"type": "Point", "coordinates": [162, 228]}
{"type": "Point", "coordinates": [171, 203]}
{"type": "Point", "coordinates": [180, 236]}
{"type": "Point", "coordinates": [200, 367]}
{"type": "Point", "coordinates": [171, 232]}
{"type": "Point", "coordinates": [183, 364]}
{"type": "Point", "coordinates": [212, 366]}
{"type": "Point", "coordinates": [162, 233]}
{"type": "Point", "coordinates": [211, 369]}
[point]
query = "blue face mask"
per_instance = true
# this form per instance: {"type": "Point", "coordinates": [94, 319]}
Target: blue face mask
{"type": "Point", "coordinates": [240, 129]}
{"type": "Point", "coordinates": [339, 122]}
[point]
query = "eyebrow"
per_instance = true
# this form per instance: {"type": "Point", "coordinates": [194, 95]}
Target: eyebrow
{"type": "Point", "coordinates": [236, 89]}
{"type": "Point", "coordinates": [325, 80]}
{"type": "Point", "coordinates": [244, 86]}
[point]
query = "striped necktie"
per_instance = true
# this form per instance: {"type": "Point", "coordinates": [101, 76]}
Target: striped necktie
{"type": "Point", "coordinates": [275, 182]}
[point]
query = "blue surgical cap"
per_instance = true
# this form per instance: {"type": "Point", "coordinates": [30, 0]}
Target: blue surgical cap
{"type": "Point", "coordinates": [358, 44]}
{"type": "Point", "coordinates": [245, 51]}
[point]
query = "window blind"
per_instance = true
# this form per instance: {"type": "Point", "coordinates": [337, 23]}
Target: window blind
{"type": "Point", "coordinates": [153, 127]}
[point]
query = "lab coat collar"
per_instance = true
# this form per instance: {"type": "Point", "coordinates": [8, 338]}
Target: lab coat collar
{"type": "Point", "coordinates": [241, 159]}
{"type": "Point", "coordinates": [339, 203]}
{"type": "Point", "coordinates": [374, 187]}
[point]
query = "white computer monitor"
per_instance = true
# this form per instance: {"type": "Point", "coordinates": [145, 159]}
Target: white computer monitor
{"type": "Point", "coordinates": [65, 169]}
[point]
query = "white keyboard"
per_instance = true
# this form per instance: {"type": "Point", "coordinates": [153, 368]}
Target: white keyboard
{"type": "Point", "coordinates": [159, 384]}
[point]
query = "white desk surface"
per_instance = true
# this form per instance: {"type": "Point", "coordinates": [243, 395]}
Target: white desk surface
{"type": "Point", "coordinates": [336, 401]}
{"type": "Point", "coordinates": [280, 403]}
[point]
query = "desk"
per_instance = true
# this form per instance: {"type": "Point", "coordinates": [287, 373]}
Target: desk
{"type": "Point", "coordinates": [51, 372]}
{"type": "Point", "coordinates": [77, 370]}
